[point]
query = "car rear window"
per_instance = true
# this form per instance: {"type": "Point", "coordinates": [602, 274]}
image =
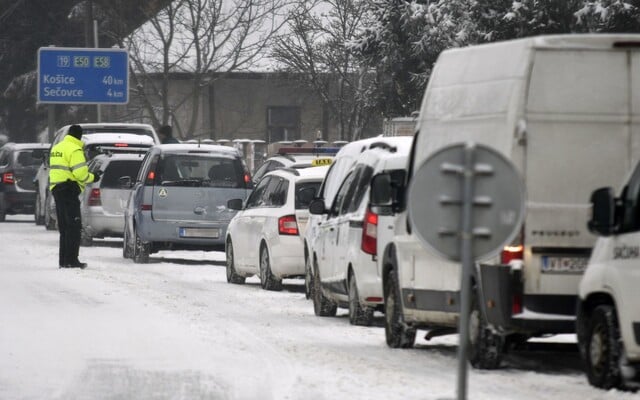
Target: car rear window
{"type": "Point", "coordinates": [117, 169]}
{"type": "Point", "coordinates": [25, 159]}
{"type": "Point", "coordinates": [133, 131]}
{"type": "Point", "coordinates": [201, 171]}
{"type": "Point", "coordinates": [305, 192]}
{"type": "Point", "coordinates": [93, 150]}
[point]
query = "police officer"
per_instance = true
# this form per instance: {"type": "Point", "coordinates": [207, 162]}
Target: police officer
{"type": "Point", "coordinates": [68, 175]}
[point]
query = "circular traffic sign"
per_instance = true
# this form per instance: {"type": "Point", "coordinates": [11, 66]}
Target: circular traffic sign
{"type": "Point", "coordinates": [436, 199]}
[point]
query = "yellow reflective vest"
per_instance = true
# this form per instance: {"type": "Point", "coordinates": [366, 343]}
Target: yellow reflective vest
{"type": "Point", "coordinates": [67, 162]}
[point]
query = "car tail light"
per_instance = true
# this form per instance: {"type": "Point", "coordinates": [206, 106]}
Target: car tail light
{"type": "Point", "coordinates": [7, 177]}
{"type": "Point", "coordinates": [94, 197]}
{"type": "Point", "coordinates": [121, 144]}
{"type": "Point", "coordinates": [247, 178]}
{"type": "Point", "coordinates": [151, 176]}
{"type": "Point", "coordinates": [516, 304]}
{"type": "Point", "coordinates": [370, 233]}
{"type": "Point", "coordinates": [288, 225]}
{"type": "Point", "coordinates": [146, 207]}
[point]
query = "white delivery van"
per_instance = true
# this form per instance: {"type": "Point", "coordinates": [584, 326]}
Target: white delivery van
{"type": "Point", "coordinates": [565, 110]}
{"type": "Point", "coordinates": [608, 319]}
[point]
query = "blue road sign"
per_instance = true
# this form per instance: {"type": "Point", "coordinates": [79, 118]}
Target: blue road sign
{"type": "Point", "coordinates": [83, 75]}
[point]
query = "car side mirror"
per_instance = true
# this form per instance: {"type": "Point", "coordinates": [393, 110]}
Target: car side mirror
{"type": "Point", "coordinates": [603, 212]}
{"type": "Point", "coordinates": [316, 207]}
{"type": "Point", "coordinates": [234, 204]}
{"type": "Point", "coordinates": [125, 182]}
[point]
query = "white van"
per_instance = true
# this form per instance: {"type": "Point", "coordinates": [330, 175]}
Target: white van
{"type": "Point", "coordinates": [608, 320]}
{"type": "Point", "coordinates": [565, 110]}
{"type": "Point", "coordinates": [345, 270]}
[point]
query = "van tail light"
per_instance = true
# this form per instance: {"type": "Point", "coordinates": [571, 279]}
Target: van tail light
{"type": "Point", "coordinates": [510, 253]}
{"type": "Point", "coordinates": [514, 251]}
{"type": "Point", "coordinates": [7, 177]}
{"type": "Point", "coordinates": [94, 198]}
{"type": "Point", "coordinates": [288, 225]}
{"type": "Point", "coordinates": [145, 207]}
{"type": "Point", "coordinates": [516, 304]}
{"type": "Point", "coordinates": [247, 178]}
{"type": "Point", "coordinates": [370, 233]}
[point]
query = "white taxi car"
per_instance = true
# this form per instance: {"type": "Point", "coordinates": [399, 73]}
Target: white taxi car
{"type": "Point", "coordinates": [265, 237]}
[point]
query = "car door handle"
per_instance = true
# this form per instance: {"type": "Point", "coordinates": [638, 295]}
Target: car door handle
{"type": "Point", "coordinates": [332, 229]}
{"type": "Point", "coordinates": [199, 210]}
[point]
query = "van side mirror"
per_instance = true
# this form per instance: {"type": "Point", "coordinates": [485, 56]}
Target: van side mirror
{"type": "Point", "coordinates": [603, 212]}
{"type": "Point", "coordinates": [316, 207]}
{"type": "Point", "coordinates": [234, 204]}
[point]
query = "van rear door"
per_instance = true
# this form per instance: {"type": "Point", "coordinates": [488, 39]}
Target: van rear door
{"type": "Point", "coordinates": [579, 138]}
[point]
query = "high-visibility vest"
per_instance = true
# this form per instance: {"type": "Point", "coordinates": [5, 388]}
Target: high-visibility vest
{"type": "Point", "coordinates": [67, 162]}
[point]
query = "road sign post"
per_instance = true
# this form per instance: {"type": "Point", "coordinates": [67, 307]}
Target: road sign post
{"type": "Point", "coordinates": [83, 76]}
{"type": "Point", "coordinates": [465, 203]}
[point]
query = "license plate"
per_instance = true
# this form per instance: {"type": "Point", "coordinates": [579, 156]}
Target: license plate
{"type": "Point", "coordinates": [321, 161]}
{"type": "Point", "coordinates": [574, 265]}
{"type": "Point", "coordinates": [209, 233]}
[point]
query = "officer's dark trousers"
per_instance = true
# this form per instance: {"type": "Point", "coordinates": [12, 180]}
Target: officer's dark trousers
{"type": "Point", "coordinates": [69, 223]}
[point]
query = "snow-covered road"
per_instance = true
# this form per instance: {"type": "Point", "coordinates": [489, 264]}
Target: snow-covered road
{"type": "Point", "coordinates": [174, 329]}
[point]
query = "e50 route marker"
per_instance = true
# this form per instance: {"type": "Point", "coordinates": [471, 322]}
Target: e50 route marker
{"type": "Point", "coordinates": [83, 75]}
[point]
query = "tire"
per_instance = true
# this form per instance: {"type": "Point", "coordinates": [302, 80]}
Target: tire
{"type": "Point", "coordinates": [308, 277]}
{"type": "Point", "coordinates": [358, 315]}
{"type": "Point", "coordinates": [267, 280]}
{"type": "Point", "coordinates": [486, 347]}
{"type": "Point", "coordinates": [127, 251]}
{"type": "Point", "coordinates": [3, 216]}
{"type": "Point", "coordinates": [141, 250]}
{"type": "Point", "coordinates": [603, 349]}
{"type": "Point", "coordinates": [37, 210]}
{"type": "Point", "coordinates": [397, 333]}
{"type": "Point", "coordinates": [232, 275]}
{"type": "Point", "coordinates": [86, 240]}
{"type": "Point", "coordinates": [322, 306]}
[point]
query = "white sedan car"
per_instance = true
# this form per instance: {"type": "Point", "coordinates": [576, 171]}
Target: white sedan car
{"type": "Point", "coordinates": [265, 236]}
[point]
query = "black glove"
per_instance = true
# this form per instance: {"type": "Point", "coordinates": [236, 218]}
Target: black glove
{"type": "Point", "coordinates": [96, 176]}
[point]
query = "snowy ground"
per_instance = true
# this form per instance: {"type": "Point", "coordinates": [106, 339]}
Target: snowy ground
{"type": "Point", "coordinates": [174, 329]}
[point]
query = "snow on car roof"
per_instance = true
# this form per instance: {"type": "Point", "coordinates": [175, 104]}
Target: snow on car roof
{"type": "Point", "coordinates": [185, 147]}
{"type": "Point", "coordinates": [93, 138]}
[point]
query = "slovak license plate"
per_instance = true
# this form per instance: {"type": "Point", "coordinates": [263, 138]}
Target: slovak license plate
{"type": "Point", "coordinates": [209, 233]}
{"type": "Point", "coordinates": [564, 264]}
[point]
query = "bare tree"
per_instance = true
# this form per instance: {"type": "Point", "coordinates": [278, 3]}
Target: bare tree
{"type": "Point", "coordinates": [319, 51]}
{"type": "Point", "coordinates": [199, 38]}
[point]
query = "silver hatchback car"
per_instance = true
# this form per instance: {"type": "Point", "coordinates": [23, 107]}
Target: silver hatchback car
{"type": "Point", "coordinates": [102, 204]}
{"type": "Point", "coordinates": [179, 199]}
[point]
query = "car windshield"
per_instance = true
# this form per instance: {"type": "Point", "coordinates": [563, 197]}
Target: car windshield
{"type": "Point", "coordinates": [201, 170]}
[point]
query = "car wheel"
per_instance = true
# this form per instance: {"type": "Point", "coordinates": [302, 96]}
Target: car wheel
{"type": "Point", "coordinates": [308, 278]}
{"type": "Point", "coordinates": [3, 216]}
{"type": "Point", "coordinates": [127, 251]}
{"type": "Point", "coordinates": [85, 239]}
{"type": "Point", "coordinates": [267, 280]}
{"type": "Point", "coordinates": [358, 315]}
{"type": "Point", "coordinates": [603, 350]}
{"type": "Point", "coordinates": [486, 347]}
{"type": "Point", "coordinates": [322, 306]}
{"type": "Point", "coordinates": [141, 250]}
{"type": "Point", "coordinates": [232, 275]}
{"type": "Point", "coordinates": [397, 333]}
{"type": "Point", "coordinates": [37, 210]}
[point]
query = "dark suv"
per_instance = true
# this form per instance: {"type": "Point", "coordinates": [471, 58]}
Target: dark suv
{"type": "Point", "coordinates": [18, 166]}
